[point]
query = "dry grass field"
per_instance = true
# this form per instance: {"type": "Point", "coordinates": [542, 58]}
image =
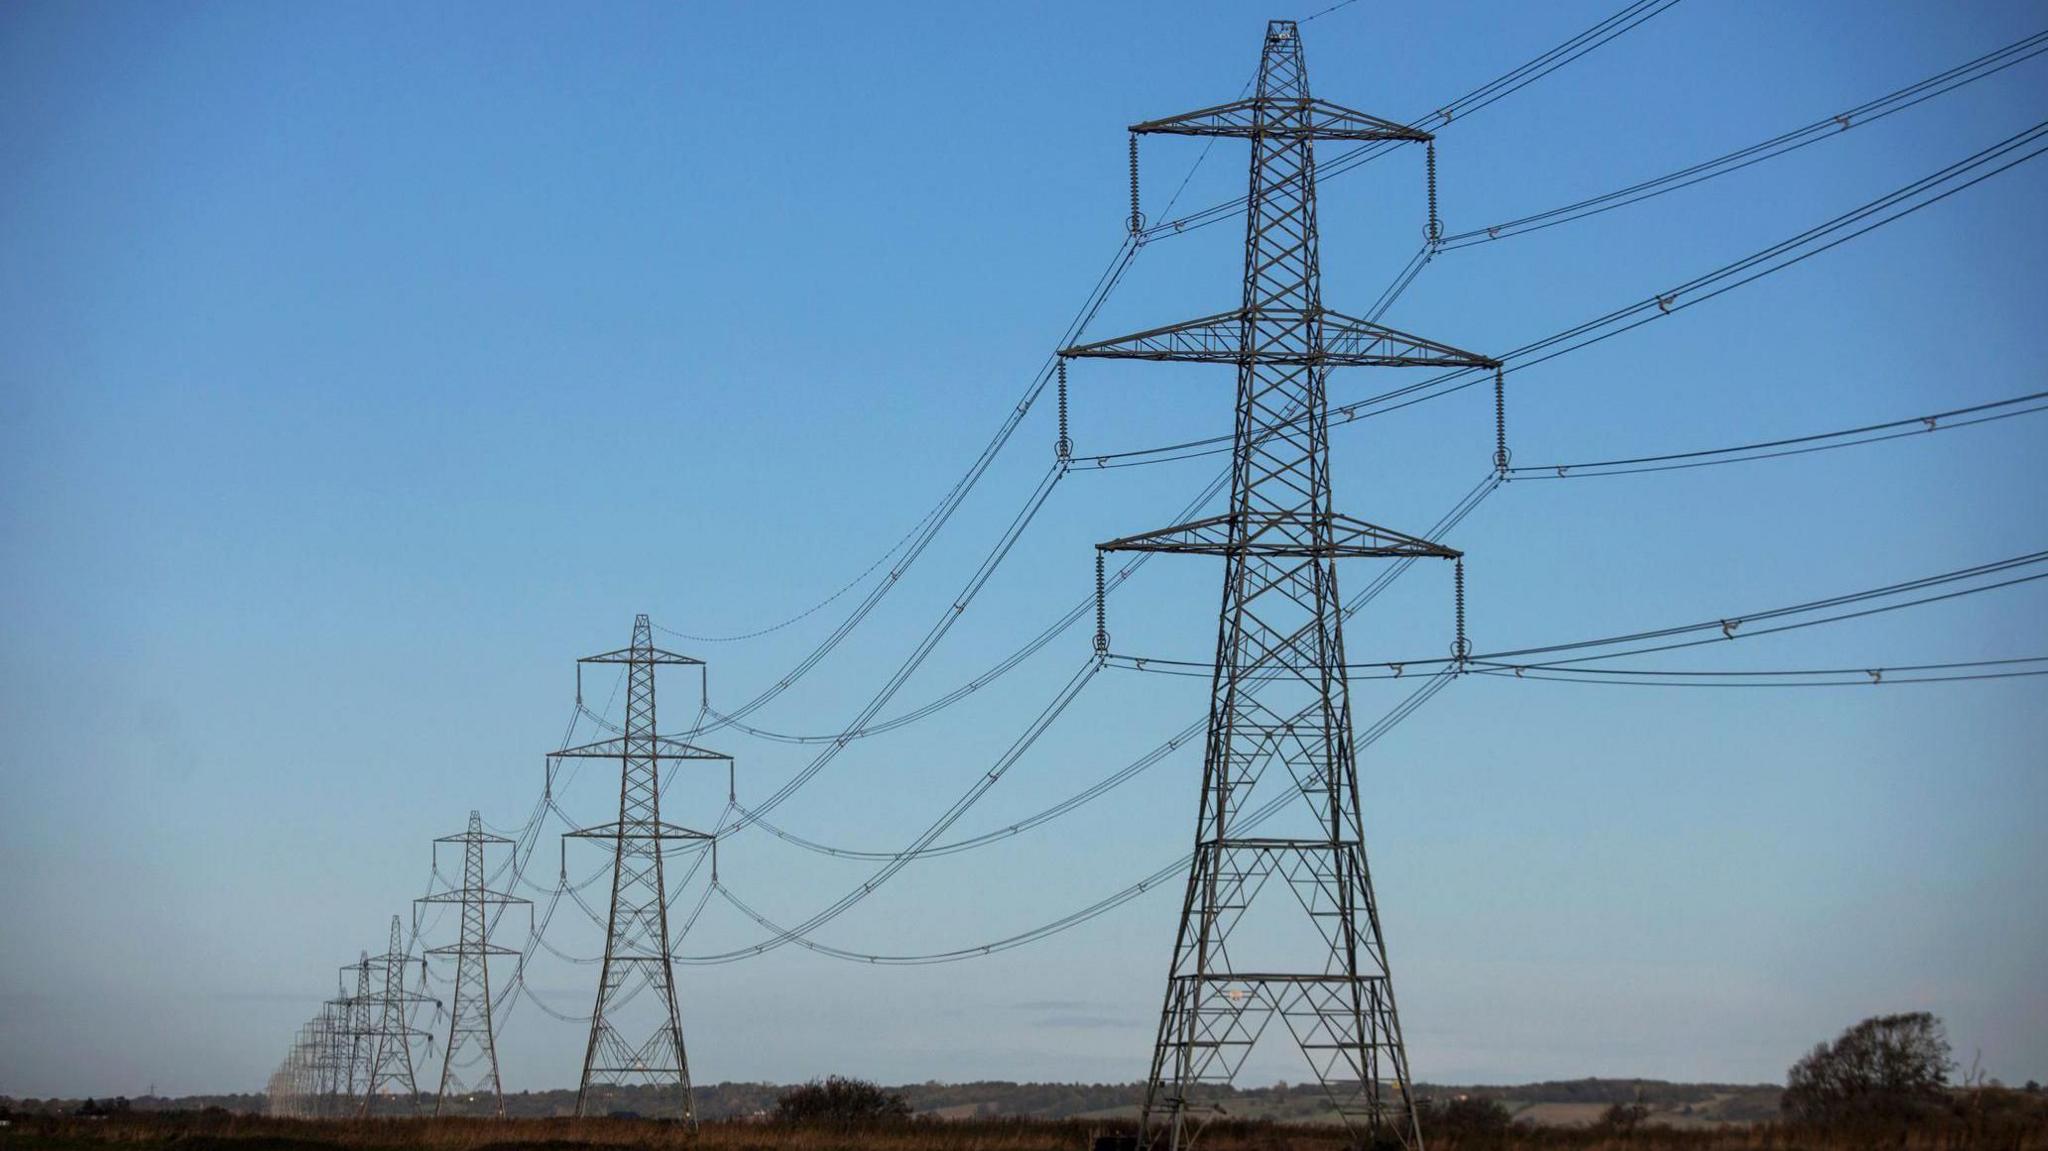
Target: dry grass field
{"type": "Point", "coordinates": [196, 1132]}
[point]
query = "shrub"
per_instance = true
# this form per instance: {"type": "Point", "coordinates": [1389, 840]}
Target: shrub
{"type": "Point", "coordinates": [1623, 1118]}
{"type": "Point", "coordinates": [1466, 1119]}
{"type": "Point", "coordinates": [841, 1101]}
{"type": "Point", "coordinates": [1887, 1066]}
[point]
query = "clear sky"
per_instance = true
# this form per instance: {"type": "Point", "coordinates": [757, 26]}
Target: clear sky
{"type": "Point", "coordinates": [361, 366]}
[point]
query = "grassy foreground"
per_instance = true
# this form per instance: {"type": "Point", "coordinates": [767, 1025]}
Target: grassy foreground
{"type": "Point", "coordinates": [196, 1132]}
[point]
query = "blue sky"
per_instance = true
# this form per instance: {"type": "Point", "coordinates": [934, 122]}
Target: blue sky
{"type": "Point", "coordinates": [364, 366]}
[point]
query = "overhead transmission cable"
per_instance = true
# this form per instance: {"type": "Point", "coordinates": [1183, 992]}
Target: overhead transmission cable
{"type": "Point", "coordinates": [902, 542]}
{"type": "Point", "coordinates": [1825, 128]}
{"type": "Point", "coordinates": [1870, 675]}
{"type": "Point", "coordinates": [1911, 426]}
{"type": "Point", "coordinates": [1071, 920]}
{"type": "Point", "coordinates": [1718, 630]}
{"type": "Point", "coordinates": [1434, 683]}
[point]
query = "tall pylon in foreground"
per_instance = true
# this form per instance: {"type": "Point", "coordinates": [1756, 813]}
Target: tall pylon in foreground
{"type": "Point", "coordinates": [1307, 951]}
{"type": "Point", "coordinates": [391, 1066]}
{"type": "Point", "coordinates": [637, 949]}
{"type": "Point", "coordinates": [472, 1041]}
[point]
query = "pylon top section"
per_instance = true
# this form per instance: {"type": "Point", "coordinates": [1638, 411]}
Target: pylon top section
{"type": "Point", "coordinates": [1282, 106]}
{"type": "Point", "coordinates": [643, 649]}
{"type": "Point", "coordinates": [475, 832]}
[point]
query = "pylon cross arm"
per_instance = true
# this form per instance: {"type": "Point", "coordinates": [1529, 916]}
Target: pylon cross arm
{"type": "Point", "coordinates": [480, 837]}
{"type": "Point", "coordinates": [659, 747]}
{"type": "Point", "coordinates": [1350, 341]}
{"type": "Point", "coordinates": [1210, 339]}
{"type": "Point", "coordinates": [637, 829]}
{"type": "Point", "coordinates": [484, 895]}
{"type": "Point", "coordinates": [1282, 116]}
{"type": "Point", "coordinates": [641, 655]}
{"type": "Point", "coordinates": [473, 949]}
{"type": "Point", "coordinates": [1282, 336]}
{"type": "Point", "coordinates": [1283, 534]}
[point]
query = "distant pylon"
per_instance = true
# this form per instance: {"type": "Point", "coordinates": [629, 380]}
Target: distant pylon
{"type": "Point", "coordinates": [637, 951]}
{"type": "Point", "coordinates": [391, 1040]}
{"type": "Point", "coordinates": [1313, 958]}
{"type": "Point", "coordinates": [330, 1057]}
{"type": "Point", "coordinates": [359, 1024]}
{"type": "Point", "coordinates": [472, 1041]}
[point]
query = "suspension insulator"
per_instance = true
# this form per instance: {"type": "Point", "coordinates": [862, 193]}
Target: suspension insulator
{"type": "Point", "coordinates": [1063, 448]}
{"type": "Point", "coordinates": [1137, 217]}
{"type": "Point", "coordinates": [1436, 230]}
{"type": "Point", "coordinates": [1461, 648]}
{"type": "Point", "coordinates": [1101, 617]}
{"type": "Point", "coordinates": [1500, 424]}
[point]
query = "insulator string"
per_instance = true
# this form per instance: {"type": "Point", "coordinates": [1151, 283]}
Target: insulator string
{"type": "Point", "coordinates": [1436, 230]}
{"type": "Point", "coordinates": [1461, 649]}
{"type": "Point", "coordinates": [1137, 217]}
{"type": "Point", "coordinates": [1500, 424]}
{"type": "Point", "coordinates": [1101, 617]}
{"type": "Point", "coordinates": [1063, 448]}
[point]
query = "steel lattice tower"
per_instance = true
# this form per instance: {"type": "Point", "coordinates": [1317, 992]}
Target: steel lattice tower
{"type": "Point", "coordinates": [471, 1039]}
{"type": "Point", "coordinates": [359, 1029]}
{"type": "Point", "coordinates": [392, 1031]}
{"type": "Point", "coordinates": [637, 950]}
{"type": "Point", "coordinates": [1246, 954]}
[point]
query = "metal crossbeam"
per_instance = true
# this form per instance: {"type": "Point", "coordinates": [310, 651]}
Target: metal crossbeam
{"type": "Point", "coordinates": [1329, 536]}
{"type": "Point", "coordinates": [1321, 337]}
{"type": "Point", "coordinates": [1281, 117]}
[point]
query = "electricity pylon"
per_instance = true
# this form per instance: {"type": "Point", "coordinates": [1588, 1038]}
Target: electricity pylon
{"type": "Point", "coordinates": [471, 1039]}
{"type": "Point", "coordinates": [1239, 963]}
{"type": "Point", "coordinates": [392, 1031]}
{"type": "Point", "coordinates": [330, 1056]}
{"type": "Point", "coordinates": [637, 949]}
{"type": "Point", "coordinates": [358, 1029]}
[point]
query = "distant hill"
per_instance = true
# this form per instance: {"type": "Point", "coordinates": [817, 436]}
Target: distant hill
{"type": "Point", "coordinates": [1558, 1102]}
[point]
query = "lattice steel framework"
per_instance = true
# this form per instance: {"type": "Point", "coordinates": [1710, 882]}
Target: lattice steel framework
{"type": "Point", "coordinates": [472, 1041]}
{"type": "Point", "coordinates": [637, 955]}
{"type": "Point", "coordinates": [1328, 982]}
{"type": "Point", "coordinates": [392, 1033]}
{"type": "Point", "coordinates": [359, 1023]}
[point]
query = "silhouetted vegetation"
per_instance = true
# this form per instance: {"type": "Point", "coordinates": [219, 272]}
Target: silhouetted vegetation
{"type": "Point", "coordinates": [1888, 1067]}
{"type": "Point", "coordinates": [840, 1101]}
{"type": "Point", "coordinates": [1988, 1120]}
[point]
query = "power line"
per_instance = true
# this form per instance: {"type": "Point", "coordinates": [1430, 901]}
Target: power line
{"type": "Point", "coordinates": [1844, 677]}
{"type": "Point", "coordinates": [1178, 867]}
{"type": "Point", "coordinates": [1825, 128]}
{"type": "Point", "coordinates": [1044, 720]}
{"type": "Point", "coordinates": [806, 613]}
{"type": "Point", "coordinates": [1731, 627]}
{"type": "Point", "coordinates": [1794, 445]}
